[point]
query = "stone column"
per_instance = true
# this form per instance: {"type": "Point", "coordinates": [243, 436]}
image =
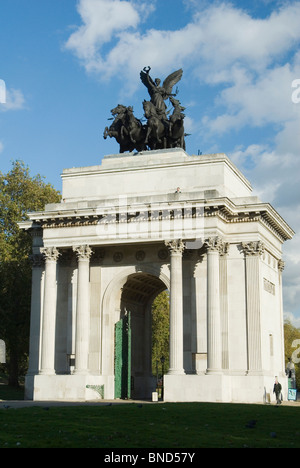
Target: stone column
{"type": "Point", "coordinates": [35, 315]}
{"type": "Point", "coordinates": [214, 345]}
{"type": "Point", "coordinates": [49, 314]}
{"type": "Point", "coordinates": [224, 305]}
{"type": "Point", "coordinates": [253, 251]}
{"type": "Point", "coordinates": [84, 253]}
{"type": "Point", "coordinates": [176, 248]}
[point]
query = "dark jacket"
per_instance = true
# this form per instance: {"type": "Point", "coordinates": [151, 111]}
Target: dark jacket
{"type": "Point", "coordinates": [277, 388]}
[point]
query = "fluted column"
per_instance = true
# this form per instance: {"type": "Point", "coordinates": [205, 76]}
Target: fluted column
{"type": "Point", "coordinates": [224, 305]}
{"type": "Point", "coordinates": [214, 345]}
{"type": "Point", "coordinates": [35, 315]}
{"type": "Point", "coordinates": [176, 248]}
{"type": "Point", "coordinates": [84, 253]}
{"type": "Point", "coordinates": [253, 250]}
{"type": "Point", "coordinates": [51, 255]}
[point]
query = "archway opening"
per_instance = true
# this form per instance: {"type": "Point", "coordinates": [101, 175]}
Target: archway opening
{"type": "Point", "coordinates": [137, 296]}
{"type": "Point", "coordinates": [160, 338]}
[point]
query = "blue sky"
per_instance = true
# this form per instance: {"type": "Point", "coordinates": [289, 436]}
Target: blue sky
{"type": "Point", "coordinates": [66, 63]}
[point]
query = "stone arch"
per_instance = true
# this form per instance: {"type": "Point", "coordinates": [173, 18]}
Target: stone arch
{"type": "Point", "coordinates": [137, 285]}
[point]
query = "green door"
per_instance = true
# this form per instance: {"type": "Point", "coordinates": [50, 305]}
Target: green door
{"type": "Point", "coordinates": [123, 357]}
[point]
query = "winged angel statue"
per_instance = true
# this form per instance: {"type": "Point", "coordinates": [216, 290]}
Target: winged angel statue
{"type": "Point", "coordinates": [159, 94]}
{"type": "Point", "coordinates": [160, 131]}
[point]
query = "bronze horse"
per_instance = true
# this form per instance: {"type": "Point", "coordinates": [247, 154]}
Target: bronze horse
{"type": "Point", "coordinates": [118, 130]}
{"type": "Point", "coordinates": [156, 136]}
{"type": "Point", "coordinates": [136, 130]}
{"type": "Point", "coordinates": [176, 127]}
{"type": "Point", "coordinates": [126, 129]}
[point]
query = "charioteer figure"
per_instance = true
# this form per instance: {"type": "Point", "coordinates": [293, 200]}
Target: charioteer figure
{"type": "Point", "coordinates": [160, 131]}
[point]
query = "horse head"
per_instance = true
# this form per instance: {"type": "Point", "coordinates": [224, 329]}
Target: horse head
{"type": "Point", "coordinates": [119, 109]}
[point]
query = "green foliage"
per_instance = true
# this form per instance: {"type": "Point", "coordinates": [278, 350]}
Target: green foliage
{"type": "Point", "coordinates": [160, 332]}
{"type": "Point", "coordinates": [291, 334]}
{"type": "Point", "coordinates": [19, 194]}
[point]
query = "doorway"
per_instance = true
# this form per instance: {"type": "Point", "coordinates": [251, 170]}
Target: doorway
{"type": "Point", "coordinates": [123, 357]}
{"type": "Point", "coordinates": [133, 337]}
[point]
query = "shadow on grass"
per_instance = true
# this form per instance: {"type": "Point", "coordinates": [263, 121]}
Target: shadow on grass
{"type": "Point", "coordinates": [164, 425]}
{"type": "Point", "coordinates": [11, 393]}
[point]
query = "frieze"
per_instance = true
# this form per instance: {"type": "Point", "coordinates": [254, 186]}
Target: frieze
{"type": "Point", "coordinates": [140, 255]}
{"type": "Point", "coordinates": [66, 257]}
{"type": "Point", "coordinates": [98, 255]}
{"type": "Point", "coordinates": [163, 254]}
{"type": "Point", "coordinates": [118, 257]}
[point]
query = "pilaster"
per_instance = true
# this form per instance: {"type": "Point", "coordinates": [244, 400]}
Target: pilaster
{"type": "Point", "coordinates": [252, 251]}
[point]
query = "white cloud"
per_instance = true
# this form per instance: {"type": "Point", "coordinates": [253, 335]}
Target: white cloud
{"type": "Point", "coordinates": [215, 39]}
{"type": "Point", "coordinates": [1, 147]}
{"type": "Point", "coordinates": [102, 19]}
{"type": "Point", "coordinates": [14, 100]}
{"type": "Point", "coordinates": [250, 62]}
{"type": "Point", "coordinates": [275, 175]}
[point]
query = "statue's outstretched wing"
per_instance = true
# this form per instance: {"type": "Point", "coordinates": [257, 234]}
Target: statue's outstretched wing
{"type": "Point", "coordinates": [146, 79]}
{"type": "Point", "coordinates": [171, 80]}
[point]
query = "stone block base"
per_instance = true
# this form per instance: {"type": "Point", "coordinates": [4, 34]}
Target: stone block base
{"type": "Point", "coordinates": [68, 387]}
{"type": "Point", "coordinates": [177, 388]}
{"type": "Point", "coordinates": [222, 388]}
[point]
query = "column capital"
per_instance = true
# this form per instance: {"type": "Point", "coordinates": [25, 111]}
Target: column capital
{"type": "Point", "coordinates": [50, 253]}
{"type": "Point", "coordinates": [176, 246]}
{"type": "Point", "coordinates": [280, 265]}
{"type": "Point", "coordinates": [216, 244]}
{"type": "Point", "coordinates": [253, 248]}
{"type": "Point", "coordinates": [84, 252]}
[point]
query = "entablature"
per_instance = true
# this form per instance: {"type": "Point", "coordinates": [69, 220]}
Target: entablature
{"type": "Point", "coordinates": [184, 209]}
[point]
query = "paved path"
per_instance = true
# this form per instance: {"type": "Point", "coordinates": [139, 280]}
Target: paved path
{"type": "Point", "coordinates": [6, 404]}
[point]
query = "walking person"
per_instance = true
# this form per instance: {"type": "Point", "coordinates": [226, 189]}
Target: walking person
{"type": "Point", "coordinates": [277, 390]}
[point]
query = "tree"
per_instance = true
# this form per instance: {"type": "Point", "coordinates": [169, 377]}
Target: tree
{"type": "Point", "coordinates": [292, 347]}
{"type": "Point", "coordinates": [160, 331]}
{"type": "Point", "coordinates": [19, 194]}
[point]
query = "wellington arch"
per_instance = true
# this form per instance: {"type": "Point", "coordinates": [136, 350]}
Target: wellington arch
{"type": "Point", "coordinates": [128, 229]}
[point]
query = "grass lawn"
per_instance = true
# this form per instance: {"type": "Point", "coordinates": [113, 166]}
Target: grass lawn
{"type": "Point", "coordinates": [157, 425]}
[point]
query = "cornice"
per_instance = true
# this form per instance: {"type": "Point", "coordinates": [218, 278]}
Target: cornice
{"type": "Point", "coordinates": [222, 208]}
